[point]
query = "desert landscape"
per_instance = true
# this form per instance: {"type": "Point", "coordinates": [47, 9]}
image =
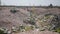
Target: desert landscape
{"type": "Point", "coordinates": [30, 19]}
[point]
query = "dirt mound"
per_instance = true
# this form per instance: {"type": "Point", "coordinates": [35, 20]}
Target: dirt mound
{"type": "Point", "coordinates": [9, 19]}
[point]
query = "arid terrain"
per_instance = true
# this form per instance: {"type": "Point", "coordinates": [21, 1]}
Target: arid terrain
{"type": "Point", "coordinates": [9, 19]}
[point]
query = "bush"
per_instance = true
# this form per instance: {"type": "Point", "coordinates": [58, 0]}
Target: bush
{"type": "Point", "coordinates": [13, 11]}
{"type": "Point", "coordinates": [2, 32]}
{"type": "Point", "coordinates": [57, 30]}
{"type": "Point", "coordinates": [51, 6]}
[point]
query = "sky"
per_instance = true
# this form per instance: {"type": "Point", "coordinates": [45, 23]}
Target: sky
{"type": "Point", "coordinates": [31, 2]}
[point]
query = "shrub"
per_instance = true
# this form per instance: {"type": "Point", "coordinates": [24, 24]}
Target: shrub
{"type": "Point", "coordinates": [51, 6]}
{"type": "Point", "coordinates": [2, 32]}
{"type": "Point", "coordinates": [13, 11]}
{"type": "Point", "coordinates": [57, 30]}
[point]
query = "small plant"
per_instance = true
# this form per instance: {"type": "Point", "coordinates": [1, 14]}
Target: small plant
{"type": "Point", "coordinates": [57, 30]}
{"type": "Point", "coordinates": [42, 29]}
{"type": "Point", "coordinates": [13, 11]}
{"type": "Point", "coordinates": [21, 28]}
{"type": "Point", "coordinates": [14, 29]}
{"type": "Point", "coordinates": [2, 31]}
{"type": "Point", "coordinates": [27, 28]}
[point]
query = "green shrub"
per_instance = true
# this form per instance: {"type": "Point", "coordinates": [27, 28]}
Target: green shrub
{"type": "Point", "coordinates": [57, 30]}
{"type": "Point", "coordinates": [2, 32]}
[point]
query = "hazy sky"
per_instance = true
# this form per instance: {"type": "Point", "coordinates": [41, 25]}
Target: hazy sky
{"type": "Point", "coordinates": [30, 2]}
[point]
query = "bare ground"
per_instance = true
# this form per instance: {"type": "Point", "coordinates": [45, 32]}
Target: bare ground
{"type": "Point", "coordinates": [37, 32]}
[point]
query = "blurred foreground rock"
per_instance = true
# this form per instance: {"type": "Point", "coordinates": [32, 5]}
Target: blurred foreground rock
{"type": "Point", "coordinates": [37, 32]}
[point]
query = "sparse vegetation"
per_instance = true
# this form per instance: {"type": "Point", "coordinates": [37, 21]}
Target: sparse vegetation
{"type": "Point", "coordinates": [33, 21]}
{"type": "Point", "coordinates": [44, 23]}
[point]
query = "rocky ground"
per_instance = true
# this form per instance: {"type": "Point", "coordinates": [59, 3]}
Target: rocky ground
{"type": "Point", "coordinates": [10, 19]}
{"type": "Point", "coordinates": [37, 32]}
